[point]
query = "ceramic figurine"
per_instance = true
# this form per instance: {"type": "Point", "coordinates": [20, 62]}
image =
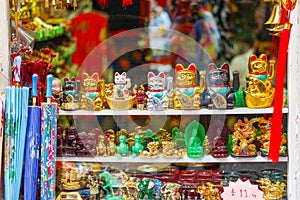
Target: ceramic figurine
{"type": "Point", "coordinates": [187, 94]}
{"type": "Point", "coordinates": [164, 135]}
{"type": "Point", "coordinates": [121, 87]}
{"type": "Point", "coordinates": [157, 94]}
{"type": "Point", "coordinates": [57, 91]}
{"type": "Point", "coordinates": [153, 151]}
{"type": "Point", "coordinates": [90, 143]}
{"type": "Point", "coordinates": [146, 187]}
{"type": "Point", "coordinates": [122, 148]}
{"type": "Point", "coordinates": [209, 192]}
{"type": "Point", "coordinates": [93, 185]}
{"type": "Point", "coordinates": [90, 92]}
{"type": "Point", "coordinates": [194, 136]}
{"type": "Point", "coordinates": [108, 187]}
{"type": "Point", "coordinates": [137, 146]}
{"type": "Point", "coordinates": [68, 102]}
{"type": "Point", "coordinates": [271, 190]}
{"type": "Point", "coordinates": [170, 191]}
{"type": "Point", "coordinates": [243, 138]}
{"type": "Point", "coordinates": [259, 92]}
{"type": "Point", "coordinates": [111, 147]}
{"type": "Point", "coordinates": [219, 149]}
{"type": "Point", "coordinates": [220, 94]}
{"type": "Point", "coordinates": [141, 98]}
{"type": "Point", "coordinates": [118, 95]}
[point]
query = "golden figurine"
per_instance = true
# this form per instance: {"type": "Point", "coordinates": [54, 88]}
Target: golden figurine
{"type": "Point", "coordinates": [243, 138]}
{"type": "Point", "coordinates": [187, 93]}
{"type": "Point", "coordinates": [170, 191]}
{"type": "Point", "coordinates": [271, 190]}
{"type": "Point", "coordinates": [169, 150]}
{"type": "Point", "coordinates": [209, 191]}
{"type": "Point", "coordinates": [264, 126]}
{"type": "Point", "coordinates": [259, 92]}
{"type": "Point", "coordinates": [129, 187]}
{"type": "Point", "coordinates": [153, 151]}
{"type": "Point", "coordinates": [101, 147]}
{"type": "Point", "coordinates": [92, 93]}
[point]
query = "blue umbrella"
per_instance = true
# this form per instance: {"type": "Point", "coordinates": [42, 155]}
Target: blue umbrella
{"type": "Point", "coordinates": [32, 148]}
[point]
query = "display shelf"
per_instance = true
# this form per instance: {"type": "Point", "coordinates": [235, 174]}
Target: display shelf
{"type": "Point", "coordinates": [205, 159]}
{"type": "Point", "coordinates": [204, 111]}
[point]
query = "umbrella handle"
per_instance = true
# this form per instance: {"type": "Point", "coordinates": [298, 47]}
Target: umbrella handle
{"type": "Point", "coordinates": [35, 79]}
{"type": "Point", "coordinates": [49, 88]}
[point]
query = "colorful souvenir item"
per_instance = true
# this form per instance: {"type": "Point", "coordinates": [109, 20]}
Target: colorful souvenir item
{"type": "Point", "coordinates": [271, 190]}
{"type": "Point", "coordinates": [153, 151]}
{"type": "Point", "coordinates": [259, 92]}
{"type": "Point", "coordinates": [129, 187]}
{"type": "Point", "coordinates": [219, 149]}
{"type": "Point", "coordinates": [264, 129]}
{"type": "Point", "coordinates": [170, 190]}
{"type": "Point", "coordinates": [157, 94]}
{"type": "Point", "coordinates": [122, 148]}
{"type": "Point", "coordinates": [243, 137]}
{"type": "Point", "coordinates": [169, 150]}
{"type": "Point", "coordinates": [194, 136]}
{"type": "Point", "coordinates": [146, 187]}
{"type": "Point", "coordinates": [141, 98]}
{"type": "Point", "coordinates": [92, 92]}
{"type": "Point", "coordinates": [108, 187]}
{"type": "Point", "coordinates": [220, 93]}
{"type": "Point", "coordinates": [187, 93]}
{"type": "Point", "coordinates": [69, 92]}
{"type": "Point", "coordinates": [137, 146]}
{"type": "Point", "coordinates": [120, 97]}
{"type": "Point", "coordinates": [209, 192]}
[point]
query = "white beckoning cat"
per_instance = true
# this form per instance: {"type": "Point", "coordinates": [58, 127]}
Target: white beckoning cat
{"type": "Point", "coordinates": [121, 87]}
{"type": "Point", "coordinates": [157, 98]}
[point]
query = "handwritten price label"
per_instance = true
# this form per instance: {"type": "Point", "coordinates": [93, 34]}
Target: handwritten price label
{"type": "Point", "coordinates": [242, 190]}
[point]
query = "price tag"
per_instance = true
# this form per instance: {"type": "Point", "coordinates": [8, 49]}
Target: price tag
{"type": "Point", "coordinates": [242, 190]}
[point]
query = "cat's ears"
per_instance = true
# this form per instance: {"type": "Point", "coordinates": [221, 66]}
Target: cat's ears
{"type": "Point", "coordinates": [262, 57]}
{"type": "Point", "coordinates": [212, 66]}
{"type": "Point", "coordinates": [85, 75]}
{"type": "Point", "coordinates": [123, 74]}
{"type": "Point", "coordinates": [151, 74]}
{"type": "Point", "coordinates": [191, 67]}
{"type": "Point", "coordinates": [72, 79]}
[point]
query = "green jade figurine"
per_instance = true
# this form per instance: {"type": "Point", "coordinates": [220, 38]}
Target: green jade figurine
{"type": "Point", "coordinates": [122, 148]}
{"type": "Point", "coordinates": [108, 188]}
{"type": "Point", "coordinates": [137, 146]}
{"type": "Point", "coordinates": [195, 149]}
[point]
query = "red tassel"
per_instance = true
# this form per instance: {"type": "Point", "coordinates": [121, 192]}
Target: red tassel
{"type": "Point", "coordinates": [276, 128]}
{"type": "Point", "coordinates": [126, 3]}
{"type": "Point", "coordinates": [103, 3]}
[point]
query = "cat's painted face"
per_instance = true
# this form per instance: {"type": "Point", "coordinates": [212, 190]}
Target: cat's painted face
{"type": "Point", "coordinates": [156, 82]}
{"type": "Point", "coordinates": [218, 76]}
{"type": "Point", "coordinates": [69, 83]}
{"type": "Point", "coordinates": [185, 76]}
{"type": "Point", "coordinates": [120, 79]}
{"type": "Point", "coordinates": [258, 65]}
{"type": "Point", "coordinates": [90, 82]}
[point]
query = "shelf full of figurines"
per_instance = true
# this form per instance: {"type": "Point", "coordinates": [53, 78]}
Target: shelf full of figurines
{"type": "Point", "coordinates": [191, 90]}
{"type": "Point", "coordinates": [246, 138]}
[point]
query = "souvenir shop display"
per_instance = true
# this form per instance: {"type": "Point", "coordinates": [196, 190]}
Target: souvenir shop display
{"type": "Point", "coordinates": [176, 128]}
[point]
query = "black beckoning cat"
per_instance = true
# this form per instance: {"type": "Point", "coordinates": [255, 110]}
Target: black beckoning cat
{"type": "Point", "coordinates": [220, 94]}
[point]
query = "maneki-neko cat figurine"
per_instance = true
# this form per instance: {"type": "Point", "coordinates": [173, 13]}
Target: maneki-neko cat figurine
{"type": "Point", "coordinates": [121, 98]}
{"type": "Point", "coordinates": [259, 92]}
{"type": "Point", "coordinates": [220, 94]}
{"type": "Point", "coordinates": [92, 93]}
{"type": "Point", "coordinates": [69, 101]}
{"type": "Point", "coordinates": [187, 94]}
{"type": "Point", "coordinates": [157, 94]}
